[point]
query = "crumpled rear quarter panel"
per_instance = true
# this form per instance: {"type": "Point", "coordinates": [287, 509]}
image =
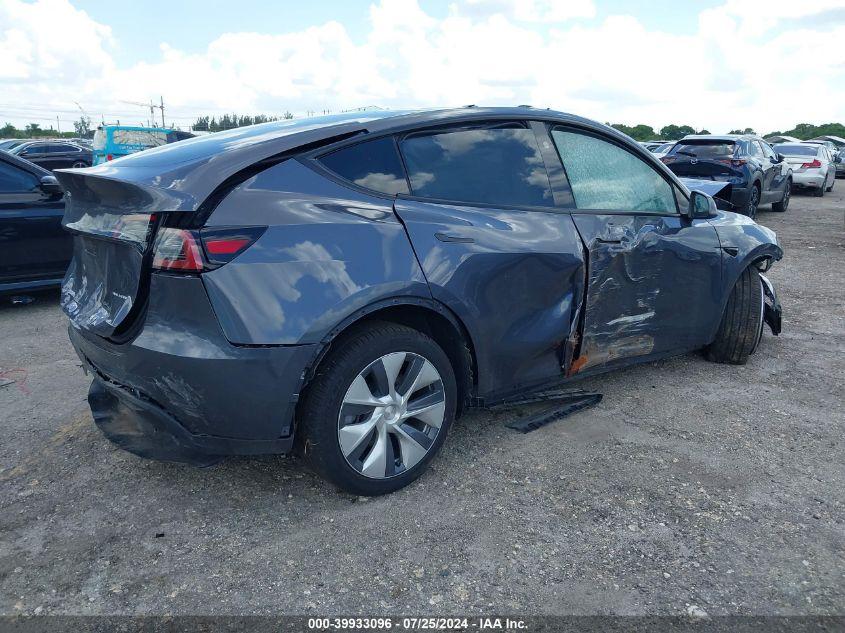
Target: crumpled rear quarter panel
{"type": "Point", "coordinates": [328, 252]}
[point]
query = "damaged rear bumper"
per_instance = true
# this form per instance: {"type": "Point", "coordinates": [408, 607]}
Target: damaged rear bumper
{"type": "Point", "coordinates": [771, 306]}
{"type": "Point", "coordinates": [179, 391]}
{"type": "Point", "coordinates": [143, 428]}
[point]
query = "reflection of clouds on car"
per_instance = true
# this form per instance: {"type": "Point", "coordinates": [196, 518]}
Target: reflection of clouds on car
{"type": "Point", "coordinates": [421, 179]}
{"type": "Point", "coordinates": [455, 144]}
{"type": "Point", "coordinates": [381, 182]}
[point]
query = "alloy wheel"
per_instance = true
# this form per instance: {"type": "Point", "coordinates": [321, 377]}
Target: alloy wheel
{"type": "Point", "coordinates": [79, 164]}
{"type": "Point", "coordinates": [753, 202]}
{"type": "Point", "coordinates": [786, 196]}
{"type": "Point", "coordinates": [391, 415]}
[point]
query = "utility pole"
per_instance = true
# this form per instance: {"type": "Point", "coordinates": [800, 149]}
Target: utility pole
{"type": "Point", "coordinates": [162, 110]}
{"type": "Point", "coordinates": [58, 125]}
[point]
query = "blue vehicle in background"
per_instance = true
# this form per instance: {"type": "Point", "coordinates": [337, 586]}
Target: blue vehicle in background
{"type": "Point", "coordinates": [114, 141]}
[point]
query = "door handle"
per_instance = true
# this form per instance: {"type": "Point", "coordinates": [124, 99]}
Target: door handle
{"type": "Point", "coordinates": [602, 240]}
{"type": "Point", "coordinates": [445, 237]}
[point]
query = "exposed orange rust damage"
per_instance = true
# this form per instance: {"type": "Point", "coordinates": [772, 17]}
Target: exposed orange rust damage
{"type": "Point", "coordinates": [577, 364]}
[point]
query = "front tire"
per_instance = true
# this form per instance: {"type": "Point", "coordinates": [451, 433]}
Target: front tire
{"type": "Point", "coordinates": [742, 322]}
{"type": "Point", "coordinates": [378, 409]}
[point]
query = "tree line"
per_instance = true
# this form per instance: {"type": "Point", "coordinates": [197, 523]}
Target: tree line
{"type": "Point", "coordinates": [83, 128]}
{"type": "Point", "coordinates": [803, 131]}
{"type": "Point", "coordinates": [229, 121]}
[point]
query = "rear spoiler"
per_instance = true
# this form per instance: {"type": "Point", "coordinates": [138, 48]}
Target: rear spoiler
{"type": "Point", "coordinates": [180, 176]}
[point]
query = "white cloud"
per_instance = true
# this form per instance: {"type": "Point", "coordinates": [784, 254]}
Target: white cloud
{"type": "Point", "coordinates": [529, 10]}
{"type": "Point", "coordinates": [742, 67]}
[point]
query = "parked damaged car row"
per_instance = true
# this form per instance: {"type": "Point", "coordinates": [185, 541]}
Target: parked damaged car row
{"type": "Point", "coordinates": [345, 286]}
{"type": "Point", "coordinates": [744, 171]}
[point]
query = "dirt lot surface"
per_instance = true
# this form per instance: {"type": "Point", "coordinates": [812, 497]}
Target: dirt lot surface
{"type": "Point", "coordinates": [691, 486]}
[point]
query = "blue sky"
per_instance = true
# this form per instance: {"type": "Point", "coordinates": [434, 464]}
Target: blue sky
{"type": "Point", "coordinates": [138, 28]}
{"type": "Point", "coordinates": [712, 64]}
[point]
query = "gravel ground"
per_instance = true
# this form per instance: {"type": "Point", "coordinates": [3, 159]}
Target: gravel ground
{"type": "Point", "coordinates": [691, 486]}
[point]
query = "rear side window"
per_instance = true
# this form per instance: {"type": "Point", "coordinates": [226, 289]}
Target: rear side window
{"type": "Point", "coordinates": [603, 176]}
{"type": "Point", "coordinates": [373, 164]}
{"type": "Point", "coordinates": [499, 165]}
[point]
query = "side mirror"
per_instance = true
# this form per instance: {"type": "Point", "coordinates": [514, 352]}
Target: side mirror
{"type": "Point", "coordinates": [778, 158]}
{"type": "Point", "coordinates": [701, 206]}
{"type": "Point", "coordinates": [50, 185]}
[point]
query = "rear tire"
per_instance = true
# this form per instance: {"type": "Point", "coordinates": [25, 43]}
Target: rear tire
{"type": "Point", "coordinates": [819, 192]}
{"type": "Point", "coordinates": [742, 323]}
{"type": "Point", "coordinates": [372, 456]}
{"type": "Point", "coordinates": [783, 205]}
{"type": "Point", "coordinates": [753, 202]}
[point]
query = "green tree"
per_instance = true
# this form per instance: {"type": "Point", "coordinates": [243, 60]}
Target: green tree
{"type": "Point", "coordinates": [82, 126]}
{"type": "Point", "coordinates": [675, 132]}
{"type": "Point", "coordinates": [807, 131]}
{"type": "Point", "coordinates": [639, 132]}
{"type": "Point", "coordinates": [9, 131]}
{"type": "Point", "coordinates": [747, 130]}
{"type": "Point", "coordinates": [33, 129]}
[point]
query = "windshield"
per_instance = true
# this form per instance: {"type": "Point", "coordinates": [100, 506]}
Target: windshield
{"type": "Point", "coordinates": [704, 149]}
{"type": "Point", "coordinates": [99, 139]}
{"type": "Point", "coordinates": [796, 150]}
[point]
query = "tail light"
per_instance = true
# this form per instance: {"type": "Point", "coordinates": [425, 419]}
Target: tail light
{"type": "Point", "coordinates": [224, 244]}
{"type": "Point", "coordinates": [814, 165]}
{"type": "Point", "coordinates": [109, 156]}
{"type": "Point", "coordinates": [192, 251]}
{"type": "Point", "coordinates": [177, 249]}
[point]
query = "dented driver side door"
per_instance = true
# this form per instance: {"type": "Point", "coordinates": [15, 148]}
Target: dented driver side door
{"type": "Point", "coordinates": [653, 276]}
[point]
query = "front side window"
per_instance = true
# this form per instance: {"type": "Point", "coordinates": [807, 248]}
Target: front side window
{"type": "Point", "coordinates": [603, 176]}
{"type": "Point", "coordinates": [496, 164]}
{"type": "Point", "coordinates": [14, 180]}
{"type": "Point", "coordinates": [373, 164]}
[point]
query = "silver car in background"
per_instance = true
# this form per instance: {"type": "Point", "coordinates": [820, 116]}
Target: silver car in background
{"type": "Point", "coordinates": [661, 150]}
{"type": "Point", "coordinates": [812, 166]}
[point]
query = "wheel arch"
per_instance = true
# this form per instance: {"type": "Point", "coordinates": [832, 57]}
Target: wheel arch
{"type": "Point", "coordinates": [425, 315]}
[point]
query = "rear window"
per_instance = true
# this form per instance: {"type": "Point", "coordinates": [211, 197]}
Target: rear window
{"type": "Point", "coordinates": [139, 138]}
{"type": "Point", "coordinates": [795, 150]}
{"type": "Point", "coordinates": [499, 164]}
{"type": "Point", "coordinates": [704, 149]}
{"type": "Point", "coordinates": [373, 164]}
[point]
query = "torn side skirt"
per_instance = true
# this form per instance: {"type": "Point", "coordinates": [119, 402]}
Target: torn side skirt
{"type": "Point", "coordinates": [772, 310]}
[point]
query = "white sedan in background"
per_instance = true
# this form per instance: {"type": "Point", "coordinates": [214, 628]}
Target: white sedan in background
{"type": "Point", "coordinates": [812, 166]}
